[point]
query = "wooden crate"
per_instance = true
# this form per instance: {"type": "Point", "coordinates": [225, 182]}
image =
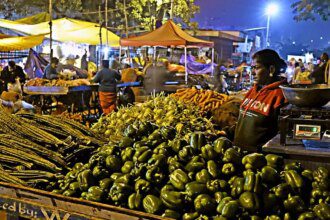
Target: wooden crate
{"type": "Point", "coordinates": [18, 202]}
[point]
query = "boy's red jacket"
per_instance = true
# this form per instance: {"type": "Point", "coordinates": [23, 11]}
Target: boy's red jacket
{"type": "Point", "coordinates": [258, 119]}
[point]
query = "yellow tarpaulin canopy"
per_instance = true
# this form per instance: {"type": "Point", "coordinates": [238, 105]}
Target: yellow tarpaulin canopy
{"type": "Point", "coordinates": [20, 43]}
{"type": "Point", "coordinates": [66, 29]}
{"type": "Point", "coordinates": [35, 19]}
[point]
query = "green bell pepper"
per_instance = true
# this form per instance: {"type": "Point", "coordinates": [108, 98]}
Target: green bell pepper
{"type": "Point", "coordinates": [197, 140]}
{"type": "Point", "coordinates": [208, 152]}
{"type": "Point", "coordinates": [190, 216]}
{"type": "Point", "coordinates": [216, 185]}
{"type": "Point", "coordinates": [74, 187]}
{"type": "Point", "coordinates": [232, 156]}
{"type": "Point", "coordinates": [179, 179]}
{"type": "Point", "coordinates": [218, 196]}
{"type": "Point", "coordinates": [152, 204]}
{"type": "Point", "coordinates": [127, 167]}
{"type": "Point", "coordinates": [293, 179]}
{"type": "Point", "coordinates": [219, 217]}
{"type": "Point", "coordinates": [252, 182]}
{"type": "Point", "coordinates": [155, 175]}
{"type": "Point", "coordinates": [168, 133]}
{"type": "Point", "coordinates": [113, 163]}
{"type": "Point", "coordinates": [172, 199]}
{"type": "Point", "coordinates": [228, 169]}
{"type": "Point", "coordinates": [142, 186]}
{"type": "Point", "coordinates": [269, 174]}
{"type": "Point", "coordinates": [320, 174]}
{"type": "Point", "coordinates": [162, 148]}
{"type": "Point", "coordinates": [178, 144]}
{"type": "Point", "coordinates": [221, 145]}
{"type": "Point", "coordinates": [204, 203]}
{"type": "Point", "coordinates": [273, 217]}
{"type": "Point", "coordinates": [127, 154]}
{"type": "Point", "coordinates": [168, 213]}
{"type": "Point", "coordinates": [105, 184]}
{"type": "Point", "coordinates": [126, 178]}
{"type": "Point", "coordinates": [254, 161]}
{"type": "Point", "coordinates": [95, 193]}
{"type": "Point", "coordinates": [282, 190]}
{"type": "Point", "coordinates": [294, 203]}
{"type": "Point", "coordinates": [100, 172]}
{"type": "Point", "coordinates": [307, 216]}
{"type": "Point", "coordinates": [130, 131]}
{"type": "Point", "coordinates": [115, 176]}
{"type": "Point", "coordinates": [213, 169]}
{"type": "Point", "coordinates": [203, 176]}
{"type": "Point", "coordinates": [68, 193]}
{"type": "Point", "coordinates": [307, 174]}
{"type": "Point", "coordinates": [293, 166]}
{"type": "Point", "coordinates": [134, 201]}
{"type": "Point", "coordinates": [126, 142]}
{"type": "Point", "coordinates": [270, 202]}
{"type": "Point", "coordinates": [322, 211]}
{"type": "Point", "coordinates": [119, 192]}
{"type": "Point", "coordinates": [195, 164]}
{"type": "Point", "coordinates": [157, 160]}
{"type": "Point", "coordinates": [237, 186]}
{"type": "Point", "coordinates": [195, 188]}
{"type": "Point", "coordinates": [142, 155]}
{"type": "Point", "coordinates": [186, 153]}
{"type": "Point", "coordinates": [249, 201]}
{"type": "Point", "coordinates": [85, 179]}
{"type": "Point", "coordinates": [228, 207]}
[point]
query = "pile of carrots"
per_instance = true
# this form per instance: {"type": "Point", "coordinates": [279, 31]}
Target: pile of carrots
{"type": "Point", "coordinates": [207, 100]}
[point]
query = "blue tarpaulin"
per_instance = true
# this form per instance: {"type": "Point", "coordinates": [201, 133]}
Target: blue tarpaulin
{"type": "Point", "coordinates": [194, 67]}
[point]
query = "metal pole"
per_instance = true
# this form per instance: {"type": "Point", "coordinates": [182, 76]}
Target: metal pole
{"type": "Point", "coordinates": [106, 21]}
{"type": "Point", "coordinates": [100, 20]}
{"type": "Point", "coordinates": [185, 65]}
{"type": "Point", "coordinates": [171, 12]}
{"type": "Point", "coordinates": [155, 54]}
{"type": "Point", "coordinates": [267, 32]}
{"type": "Point", "coordinates": [51, 28]}
{"type": "Point", "coordinates": [212, 61]}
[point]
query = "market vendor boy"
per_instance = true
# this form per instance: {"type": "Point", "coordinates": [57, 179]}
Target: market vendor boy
{"type": "Point", "coordinates": [259, 111]}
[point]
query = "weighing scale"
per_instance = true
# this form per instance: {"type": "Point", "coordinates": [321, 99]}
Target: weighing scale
{"type": "Point", "coordinates": [306, 125]}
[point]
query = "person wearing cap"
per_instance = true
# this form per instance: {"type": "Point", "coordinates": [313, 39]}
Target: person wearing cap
{"type": "Point", "coordinates": [259, 111]}
{"type": "Point", "coordinates": [10, 74]}
{"type": "Point", "coordinates": [107, 78]}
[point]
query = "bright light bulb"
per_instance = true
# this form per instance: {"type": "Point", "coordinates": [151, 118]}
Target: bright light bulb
{"type": "Point", "coordinates": [272, 9]}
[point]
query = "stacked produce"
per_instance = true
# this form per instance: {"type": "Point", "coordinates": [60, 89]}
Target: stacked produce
{"type": "Point", "coordinates": [57, 82]}
{"type": "Point", "coordinates": [73, 116]}
{"type": "Point", "coordinates": [35, 148]}
{"type": "Point", "coordinates": [207, 100]}
{"type": "Point", "coordinates": [160, 110]}
{"type": "Point", "coordinates": [154, 171]}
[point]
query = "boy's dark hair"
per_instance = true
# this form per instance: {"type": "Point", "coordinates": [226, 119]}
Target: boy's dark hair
{"type": "Point", "coordinates": [105, 63]}
{"type": "Point", "coordinates": [269, 58]}
{"type": "Point", "coordinates": [54, 60]}
{"type": "Point", "coordinates": [12, 64]}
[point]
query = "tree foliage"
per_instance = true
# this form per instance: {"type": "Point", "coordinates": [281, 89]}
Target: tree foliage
{"type": "Point", "coordinates": [140, 13]}
{"type": "Point", "coordinates": [309, 9]}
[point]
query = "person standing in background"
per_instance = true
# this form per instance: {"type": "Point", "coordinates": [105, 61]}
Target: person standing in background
{"type": "Point", "coordinates": [50, 70]}
{"type": "Point", "coordinates": [319, 75]}
{"type": "Point", "coordinates": [10, 73]}
{"type": "Point", "coordinates": [107, 78]}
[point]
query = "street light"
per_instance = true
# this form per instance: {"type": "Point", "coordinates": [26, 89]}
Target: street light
{"type": "Point", "coordinates": [271, 9]}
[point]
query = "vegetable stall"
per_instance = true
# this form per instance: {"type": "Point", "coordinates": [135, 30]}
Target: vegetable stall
{"type": "Point", "coordinates": [160, 159]}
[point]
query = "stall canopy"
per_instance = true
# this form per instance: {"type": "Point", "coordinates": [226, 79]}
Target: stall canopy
{"type": "Point", "coordinates": [167, 35]}
{"type": "Point", "coordinates": [10, 43]}
{"type": "Point", "coordinates": [65, 30]}
{"type": "Point", "coordinates": [35, 19]}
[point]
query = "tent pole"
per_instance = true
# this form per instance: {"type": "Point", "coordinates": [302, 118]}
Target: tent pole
{"type": "Point", "coordinates": [213, 61]}
{"type": "Point", "coordinates": [185, 65]}
{"type": "Point", "coordinates": [51, 28]}
{"type": "Point", "coordinates": [155, 54]}
{"type": "Point", "coordinates": [119, 58]}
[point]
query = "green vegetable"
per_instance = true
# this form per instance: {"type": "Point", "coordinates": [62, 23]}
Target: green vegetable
{"type": "Point", "coordinates": [208, 152]}
{"type": "Point", "coordinates": [270, 202]}
{"type": "Point", "coordinates": [95, 193]}
{"type": "Point", "coordinates": [274, 160]}
{"type": "Point", "coordinates": [231, 156]}
{"type": "Point", "coordinates": [113, 163]}
{"type": "Point", "coordinates": [127, 167]}
{"type": "Point", "coordinates": [228, 169]}
{"type": "Point", "coordinates": [195, 188]}
{"type": "Point", "coordinates": [254, 161]}
{"type": "Point", "coordinates": [75, 187]}
{"type": "Point", "coordinates": [105, 183]}
{"type": "Point", "coordinates": [320, 174]}
{"type": "Point", "coordinates": [213, 169]}
{"type": "Point", "coordinates": [195, 164]}
{"type": "Point", "coordinates": [216, 185]}
{"type": "Point", "coordinates": [100, 173]}
{"type": "Point", "coordinates": [171, 214]}
{"type": "Point", "coordinates": [172, 199]}
{"type": "Point", "coordinates": [237, 186]}
{"type": "Point", "coordinates": [178, 144]}
{"type": "Point", "coordinates": [293, 179]}
{"type": "Point", "coordinates": [152, 204]}
{"type": "Point", "coordinates": [142, 186]}
{"type": "Point", "coordinates": [293, 166]}
{"type": "Point", "coordinates": [154, 175]}
{"type": "Point", "coordinates": [190, 216]}
{"type": "Point", "coordinates": [126, 142]}
{"type": "Point", "coordinates": [269, 174]}
{"type": "Point", "coordinates": [197, 140]}
{"type": "Point", "coordinates": [221, 145]}
{"type": "Point", "coordinates": [249, 201]}
{"type": "Point", "coordinates": [228, 207]}
{"type": "Point", "coordinates": [186, 153]}
{"type": "Point", "coordinates": [294, 203]}
{"type": "Point", "coordinates": [127, 154]}
{"type": "Point", "coordinates": [204, 204]}
{"type": "Point", "coordinates": [218, 196]}
{"type": "Point", "coordinates": [134, 201]}
{"type": "Point", "coordinates": [307, 216]}
{"type": "Point", "coordinates": [281, 190]}
{"type": "Point", "coordinates": [273, 217]}
{"type": "Point", "coordinates": [120, 191]}
{"type": "Point", "coordinates": [203, 176]}
{"type": "Point", "coordinates": [308, 174]}
{"type": "Point", "coordinates": [252, 182]}
{"type": "Point", "coordinates": [322, 211]}
{"type": "Point", "coordinates": [85, 179]}
{"type": "Point", "coordinates": [179, 179]}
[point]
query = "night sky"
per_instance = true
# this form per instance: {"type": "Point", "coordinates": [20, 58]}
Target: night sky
{"type": "Point", "coordinates": [243, 14]}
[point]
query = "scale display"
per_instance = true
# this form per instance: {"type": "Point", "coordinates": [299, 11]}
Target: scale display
{"type": "Point", "coordinates": [312, 132]}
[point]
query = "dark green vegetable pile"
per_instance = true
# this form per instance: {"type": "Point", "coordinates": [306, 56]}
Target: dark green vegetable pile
{"type": "Point", "coordinates": [153, 171]}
